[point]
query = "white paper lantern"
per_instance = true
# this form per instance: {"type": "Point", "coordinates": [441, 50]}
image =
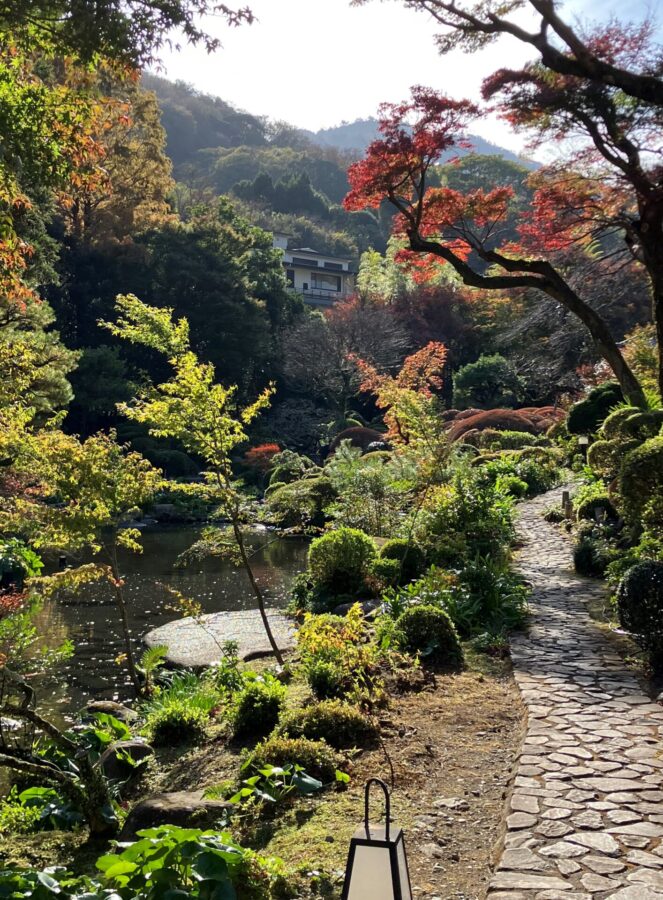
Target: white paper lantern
{"type": "Point", "coordinates": [377, 862]}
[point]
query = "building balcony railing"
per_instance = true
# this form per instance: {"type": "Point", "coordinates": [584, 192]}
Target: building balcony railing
{"type": "Point", "coordinates": [319, 297]}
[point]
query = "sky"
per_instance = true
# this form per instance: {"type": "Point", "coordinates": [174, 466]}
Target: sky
{"type": "Point", "coordinates": [316, 63]}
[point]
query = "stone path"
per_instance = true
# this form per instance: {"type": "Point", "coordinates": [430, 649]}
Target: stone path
{"type": "Point", "coordinates": [586, 815]}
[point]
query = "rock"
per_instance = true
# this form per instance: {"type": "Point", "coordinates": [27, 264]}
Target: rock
{"type": "Point", "coordinates": [636, 892]}
{"type": "Point", "coordinates": [599, 841]}
{"type": "Point", "coordinates": [519, 820]}
{"type": "Point", "coordinates": [524, 803]}
{"type": "Point", "coordinates": [367, 607]}
{"type": "Point", "coordinates": [563, 850]}
{"type": "Point", "coordinates": [641, 858]}
{"type": "Point", "coordinates": [650, 877]}
{"type": "Point", "coordinates": [112, 708]}
{"type": "Point", "coordinates": [451, 803]}
{"type": "Point", "coordinates": [596, 883]}
{"type": "Point", "coordinates": [602, 865]}
{"type": "Point", "coordinates": [188, 809]}
{"type": "Point", "coordinates": [197, 643]}
{"type": "Point", "coordinates": [117, 769]}
{"type": "Point", "coordinates": [522, 859]}
{"type": "Point", "coordinates": [521, 881]}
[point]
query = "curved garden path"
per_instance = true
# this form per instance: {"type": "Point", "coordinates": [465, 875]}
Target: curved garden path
{"type": "Point", "coordinates": [585, 820]}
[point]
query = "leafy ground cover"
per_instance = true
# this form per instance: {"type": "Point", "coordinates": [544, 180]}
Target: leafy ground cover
{"type": "Point", "coordinates": [455, 740]}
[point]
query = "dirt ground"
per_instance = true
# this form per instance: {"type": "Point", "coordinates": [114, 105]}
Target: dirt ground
{"type": "Point", "coordinates": [451, 747]}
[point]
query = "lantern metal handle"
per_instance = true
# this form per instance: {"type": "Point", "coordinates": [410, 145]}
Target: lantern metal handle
{"type": "Point", "coordinates": [387, 802]}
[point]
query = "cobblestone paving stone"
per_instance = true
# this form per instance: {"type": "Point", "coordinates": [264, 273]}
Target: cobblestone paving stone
{"type": "Point", "coordinates": [585, 820]}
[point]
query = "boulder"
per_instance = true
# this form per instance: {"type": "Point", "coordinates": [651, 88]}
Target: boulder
{"type": "Point", "coordinates": [198, 643]}
{"type": "Point", "coordinates": [112, 708]}
{"type": "Point", "coordinates": [187, 809]}
{"type": "Point", "coordinates": [111, 761]}
{"type": "Point", "coordinates": [368, 607]}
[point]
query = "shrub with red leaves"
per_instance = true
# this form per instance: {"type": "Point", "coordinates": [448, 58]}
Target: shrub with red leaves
{"type": "Point", "coordinates": [533, 420]}
{"type": "Point", "coordinates": [260, 457]}
{"type": "Point", "coordinates": [10, 602]}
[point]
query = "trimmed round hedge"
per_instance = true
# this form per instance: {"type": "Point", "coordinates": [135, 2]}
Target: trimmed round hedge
{"type": "Point", "coordinates": [612, 425]}
{"type": "Point", "coordinates": [640, 605]}
{"type": "Point", "coordinates": [429, 631]}
{"type": "Point", "coordinates": [587, 415]}
{"type": "Point", "coordinates": [586, 509]}
{"type": "Point", "coordinates": [341, 560]}
{"type": "Point", "coordinates": [256, 709]}
{"type": "Point", "coordinates": [333, 721]}
{"type": "Point", "coordinates": [317, 758]}
{"type": "Point", "coordinates": [410, 558]}
{"type": "Point", "coordinates": [641, 478]}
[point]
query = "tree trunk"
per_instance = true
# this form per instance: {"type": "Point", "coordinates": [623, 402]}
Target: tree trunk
{"type": "Point", "coordinates": [542, 276]}
{"type": "Point", "coordinates": [126, 631]}
{"type": "Point", "coordinates": [239, 538]}
{"type": "Point", "coordinates": [651, 237]}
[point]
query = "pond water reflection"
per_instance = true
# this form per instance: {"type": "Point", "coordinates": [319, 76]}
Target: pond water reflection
{"type": "Point", "coordinates": [92, 622]}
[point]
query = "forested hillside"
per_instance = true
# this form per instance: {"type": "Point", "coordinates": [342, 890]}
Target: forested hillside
{"type": "Point", "coordinates": [286, 178]}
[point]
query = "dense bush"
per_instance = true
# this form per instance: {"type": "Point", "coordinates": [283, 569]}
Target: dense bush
{"type": "Point", "coordinates": [591, 497]}
{"type": "Point", "coordinates": [592, 553]}
{"type": "Point", "coordinates": [337, 723]}
{"type": "Point", "coordinates": [338, 657]}
{"type": "Point", "coordinates": [538, 469]}
{"type": "Point", "coordinates": [387, 572]}
{"type": "Point", "coordinates": [488, 383]}
{"type": "Point", "coordinates": [464, 519]}
{"type": "Point", "coordinates": [289, 466]}
{"type": "Point", "coordinates": [493, 439]}
{"type": "Point", "coordinates": [176, 723]}
{"type": "Point", "coordinates": [317, 758]}
{"type": "Point", "coordinates": [372, 492]}
{"type": "Point", "coordinates": [604, 457]}
{"type": "Point", "coordinates": [586, 416]}
{"type": "Point", "coordinates": [513, 485]}
{"type": "Point", "coordinates": [612, 424]}
{"type": "Point", "coordinates": [496, 598]}
{"type": "Point", "coordinates": [641, 478]}
{"type": "Point", "coordinates": [341, 560]}
{"type": "Point", "coordinates": [300, 504]}
{"type": "Point", "coordinates": [535, 420]}
{"type": "Point", "coordinates": [409, 556]}
{"type": "Point", "coordinates": [257, 708]}
{"type": "Point", "coordinates": [642, 424]}
{"type": "Point", "coordinates": [429, 631]}
{"type": "Point", "coordinates": [16, 817]}
{"type": "Point", "coordinates": [640, 606]}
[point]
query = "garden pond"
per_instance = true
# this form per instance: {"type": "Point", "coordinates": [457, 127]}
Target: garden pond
{"type": "Point", "coordinates": [91, 621]}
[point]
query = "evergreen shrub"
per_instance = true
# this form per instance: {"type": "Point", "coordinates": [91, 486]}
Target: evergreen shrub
{"type": "Point", "coordinates": [257, 708]}
{"type": "Point", "coordinates": [339, 724]}
{"type": "Point", "coordinates": [317, 758]}
{"type": "Point", "coordinates": [409, 556]}
{"type": "Point", "coordinates": [341, 560]}
{"type": "Point", "coordinates": [429, 631]}
{"type": "Point", "coordinates": [640, 606]}
{"type": "Point", "coordinates": [586, 416]}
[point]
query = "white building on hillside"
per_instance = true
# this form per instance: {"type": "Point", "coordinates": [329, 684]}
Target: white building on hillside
{"type": "Point", "coordinates": [319, 278]}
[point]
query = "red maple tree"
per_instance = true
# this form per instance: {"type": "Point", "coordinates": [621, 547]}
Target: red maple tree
{"type": "Point", "coordinates": [448, 225]}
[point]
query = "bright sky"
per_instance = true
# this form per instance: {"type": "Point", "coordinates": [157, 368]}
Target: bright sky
{"type": "Point", "coordinates": [315, 63]}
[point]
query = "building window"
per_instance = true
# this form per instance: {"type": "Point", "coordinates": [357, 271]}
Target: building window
{"type": "Point", "coordinates": [290, 276]}
{"type": "Point", "coordinates": [298, 261]}
{"type": "Point", "coordinates": [336, 267]}
{"type": "Point", "coordinates": [321, 282]}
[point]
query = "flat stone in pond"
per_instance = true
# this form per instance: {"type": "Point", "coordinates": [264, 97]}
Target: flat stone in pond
{"type": "Point", "coordinates": [199, 642]}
